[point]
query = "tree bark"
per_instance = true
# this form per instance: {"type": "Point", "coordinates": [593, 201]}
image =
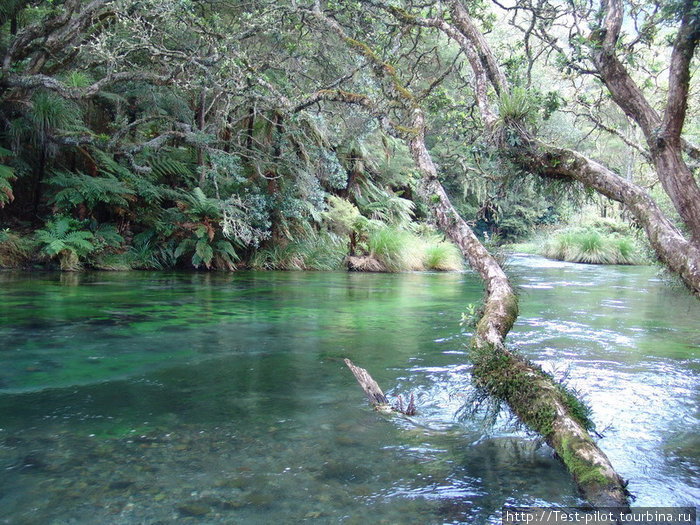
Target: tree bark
{"type": "Point", "coordinates": [534, 397]}
{"type": "Point", "coordinates": [681, 255]}
{"type": "Point", "coordinates": [375, 395]}
{"type": "Point", "coordinates": [674, 250]}
{"type": "Point", "coordinates": [663, 136]}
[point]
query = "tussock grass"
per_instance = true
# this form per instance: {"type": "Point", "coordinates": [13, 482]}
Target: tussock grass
{"type": "Point", "coordinates": [442, 256]}
{"type": "Point", "coordinates": [16, 251]}
{"type": "Point", "coordinates": [396, 249]}
{"type": "Point", "coordinates": [386, 249]}
{"type": "Point", "coordinates": [587, 245]}
{"type": "Point", "coordinates": [316, 251]}
{"type": "Point", "coordinates": [400, 250]}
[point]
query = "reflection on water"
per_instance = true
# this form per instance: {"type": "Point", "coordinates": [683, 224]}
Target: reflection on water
{"type": "Point", "coordinates": [208, 398]}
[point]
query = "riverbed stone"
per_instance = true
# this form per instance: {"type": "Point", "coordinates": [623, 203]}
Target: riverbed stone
{"type": "Point", "coordinates": [193, 508]}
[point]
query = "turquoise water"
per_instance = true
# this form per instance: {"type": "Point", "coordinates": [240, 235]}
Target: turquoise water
{"type": "Point", "coordinates": [222, 398]}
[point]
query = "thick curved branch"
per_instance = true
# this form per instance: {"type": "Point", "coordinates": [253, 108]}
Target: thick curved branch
{"type": "Point", "coordinates": [679, 74]}
{"type": "Point", "coordinates": [622, 87]}
{"type": "Point", "coordinates": [481, 77]}
{"type": "Point", "coordinates": [53, 84]}
{"type": "Point", "coordinates": [51, 36]}
{"type": "Point", "coordinates": [679, 254]}
{"type": "Point", "coordinates": [466, 26]}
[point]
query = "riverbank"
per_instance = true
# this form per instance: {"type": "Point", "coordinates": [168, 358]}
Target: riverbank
{"type": "Point", "coordinates": [380, 248]}
{"type": "Point", "coordinates": [595, 242]}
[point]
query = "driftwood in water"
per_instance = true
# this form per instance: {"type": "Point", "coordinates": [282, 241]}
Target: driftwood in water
{"type": "Point", "coordinates": [375, 395]}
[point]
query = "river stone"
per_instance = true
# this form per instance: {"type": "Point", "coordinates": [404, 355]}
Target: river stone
{"type": "Point", "coordinates": [121, 484]}
{"type": "Point", "coordinates": [193, 508]}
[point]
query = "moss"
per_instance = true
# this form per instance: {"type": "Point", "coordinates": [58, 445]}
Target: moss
{"type": "Point", "coordinates": [402, 90]}
{"type": "Point", "coordinates": [579, 410]}
{"type": "Point", "coordinates": [531, 393]}
{"type": "Point", "coordinates": [509, 378]}
{"type": "Point", "coordinates": [405, 130]}
{"type": "Point", "coordinates": [585, 472]}
{"type": "Point", "coordinates": [364, 49]}
{"type": "Point", "coordinates": [511, 307]}
{"type": "Point", "coordinates": [346, 96]}
{"type": "Point", "coordinates": [403, 15]}
{"type": "Point", "coordinates": [385, 68]}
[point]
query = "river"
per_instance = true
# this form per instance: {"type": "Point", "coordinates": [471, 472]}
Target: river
{"type": "Point", "coordinates": [162, 397]}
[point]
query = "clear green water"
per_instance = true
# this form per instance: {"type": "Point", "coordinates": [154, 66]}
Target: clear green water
{"type": "Point", "coordinates": [203, 398]}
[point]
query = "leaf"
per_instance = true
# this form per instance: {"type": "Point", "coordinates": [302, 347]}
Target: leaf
{"type": "Point", "coordinates": [184, 247]}
{"type": "Point", "coordinates": [205, 252]}
{"type": "Point", "coordinates": [225, 247]}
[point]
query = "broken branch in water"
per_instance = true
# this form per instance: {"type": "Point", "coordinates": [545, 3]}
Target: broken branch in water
{"type": "Point", "coordinates": [375, 395]}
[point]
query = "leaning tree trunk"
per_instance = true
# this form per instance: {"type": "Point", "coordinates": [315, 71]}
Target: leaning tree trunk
{"type": "Point", "coordinates": [535, 397]}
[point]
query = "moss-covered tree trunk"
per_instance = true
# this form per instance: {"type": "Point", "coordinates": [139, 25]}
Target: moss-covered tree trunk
{"type": "Point", "coordinates": [535, 397]}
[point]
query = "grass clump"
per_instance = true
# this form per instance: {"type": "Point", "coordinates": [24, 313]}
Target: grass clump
{"type": "Point", "coordinates": [592, 246]}
{"type": "Point", "coordinates": [442, 256]}
{"type": "Point", "coordinates": [314, 251]}
{"type": "Point", "coordinates": [16, 251]}
{"type": "Point", "coordinates": [401, 250]}
{"type": "Point", "coordinates": [397, 250]}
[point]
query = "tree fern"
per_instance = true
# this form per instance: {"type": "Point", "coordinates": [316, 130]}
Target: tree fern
{"type": "Point", "coordinates": [177, 164]}
{"type": "Point", "coordinates": [64, 238]}
{"type": "Point", "coordinates": [7, 174]}
{"type": "Point", "coordinates": [199, 206]}
{"type": "Point", "coordinates": [79, 188]}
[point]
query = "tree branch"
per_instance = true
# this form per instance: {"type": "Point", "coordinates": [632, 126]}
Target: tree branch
{"type": "Point", "coordinates": [679, 74]}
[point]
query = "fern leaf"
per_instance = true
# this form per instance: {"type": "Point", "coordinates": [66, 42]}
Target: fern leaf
{"type": "Point", "coordinates": [54, 247]}
{"type": "Point", "coordinates": [184, 247]}
{"type": "Point", "coordinates": [225, 247]}
{"type": "Point", "coordinates": [205, 252]}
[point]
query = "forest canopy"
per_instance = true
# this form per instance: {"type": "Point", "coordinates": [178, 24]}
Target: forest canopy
{"type": "Point", "coordinates": [215, 134]}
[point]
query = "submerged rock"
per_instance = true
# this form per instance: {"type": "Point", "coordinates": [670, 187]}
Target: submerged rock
{"type": "Point", "coordinates": [193, 508]}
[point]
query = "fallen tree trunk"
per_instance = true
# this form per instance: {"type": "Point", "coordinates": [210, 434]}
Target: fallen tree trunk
{"type": "Point", "coordinates": [375, 395]}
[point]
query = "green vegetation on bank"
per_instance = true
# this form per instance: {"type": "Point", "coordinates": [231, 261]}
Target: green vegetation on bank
{"type": "Point", "coordinates": [211, 150]}
{"type": "Point", "coordinates": [598, 241]}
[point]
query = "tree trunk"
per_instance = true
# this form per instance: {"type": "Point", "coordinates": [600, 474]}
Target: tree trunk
{"type": "Point", "coordinates": [375, 395]}
{"type": "Point", "coordinates": [538, 401]}
{"type": "Point", "coordinates": [201, 121]}
{"type": "Point", "coordinates": [534, 397]}
{"type": "Point", "coordinates": [663, 135]}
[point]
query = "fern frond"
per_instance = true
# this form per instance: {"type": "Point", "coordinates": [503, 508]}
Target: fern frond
{"type": "Point", "coordinates": [79, 188]}
{"type": "Point", "coordinates": [205, 252]}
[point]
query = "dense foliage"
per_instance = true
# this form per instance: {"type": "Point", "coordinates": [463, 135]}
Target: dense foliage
{"type": "Point", "coordinates": [190, 133]}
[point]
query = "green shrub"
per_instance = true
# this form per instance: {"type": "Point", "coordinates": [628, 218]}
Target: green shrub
{"type": "Point", "coordinates": [64, 238]}
{"type": "Point", "coordinates": [442, 256]}
{"type": "Point", "coordinates": [587, 245]}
